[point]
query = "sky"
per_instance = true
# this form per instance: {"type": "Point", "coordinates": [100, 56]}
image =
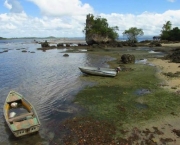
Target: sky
{"type": "Point", "coordinates": [67, 18]}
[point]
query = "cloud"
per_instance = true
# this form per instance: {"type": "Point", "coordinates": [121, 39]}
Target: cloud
{"type": "Point", "coordinates": [60, 18]}
{"type": "Point", "coordinates": [151, 23]}
{"type": "Point", "coordinates": [14, 6]}
{"type": "Point", "coordinates": [7, 5]}
{"type": "Point", "coordinates": [26, 26]}
{"type": "Point", "coordinates": [69, 23]}
{"type": "Point", "coordinates": [63, 7]}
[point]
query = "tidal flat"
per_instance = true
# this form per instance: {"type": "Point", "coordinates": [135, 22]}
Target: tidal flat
{"type": "Point", "coordinates": [131, 108]}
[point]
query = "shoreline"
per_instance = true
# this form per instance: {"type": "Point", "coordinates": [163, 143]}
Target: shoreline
{"type": "Point", "coordinates": [164, 66]}
{"type": "Point", "coordinates": [163, 129]}
{"type": "Point", "coordinates": [160, 129]}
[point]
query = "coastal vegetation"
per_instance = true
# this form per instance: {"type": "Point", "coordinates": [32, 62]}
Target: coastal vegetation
{"type": "Point", "coordinates": [98, 30]}
{"type": "Point", "coordinates": [169, 33]}
{"type": "Point", "coordinates": [132, 34]}
{"type": "Point", "coordinates": [117, 108]}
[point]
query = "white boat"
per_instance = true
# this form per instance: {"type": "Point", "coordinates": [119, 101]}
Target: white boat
{"type": "Point", "coordinates": [99, 71]}
{"type": "Point", "coordinates": [20, 115]}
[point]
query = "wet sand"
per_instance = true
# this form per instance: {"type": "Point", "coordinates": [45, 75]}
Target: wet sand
{"type": "Point", "coordinates": [165, 66]}
{"type": "Point", "coordinates": [164, 129]}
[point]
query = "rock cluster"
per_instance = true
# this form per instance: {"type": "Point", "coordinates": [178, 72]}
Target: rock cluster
{"type": "Point", "coordinates": [45, 44]}
{"type": "Point", "coordinates": [127, 58]}
{"type": "Point", "coordinates": [155, 44]}
{"type": "Point", "coordinates": [174, 56]}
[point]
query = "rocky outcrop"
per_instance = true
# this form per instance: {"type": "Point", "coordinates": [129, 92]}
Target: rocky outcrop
{"type": "Point", "coordinates": [94, 38]}
{"type": "Point", "coordinates": [174, 56]}
{"type": "Point", "coordinates": [60, 44]}
{"type": "Point", "coordinates": [155, 44]}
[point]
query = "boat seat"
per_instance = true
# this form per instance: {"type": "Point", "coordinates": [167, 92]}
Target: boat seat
{"type": "Point", "coordinates": [21, 117]}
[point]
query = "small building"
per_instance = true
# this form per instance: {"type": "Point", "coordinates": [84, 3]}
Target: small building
{"type": "Point", "coordinates": [156, 38]}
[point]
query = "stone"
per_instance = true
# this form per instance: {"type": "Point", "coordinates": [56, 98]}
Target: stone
{"type": "Point", "coordinates": [127, 58]}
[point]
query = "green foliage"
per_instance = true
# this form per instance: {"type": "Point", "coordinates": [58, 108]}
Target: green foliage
{"type": "Point", "coordinates": [101, 27]}
{"type": "Point", "coordinates": [165, 35]}
{"type": "Point", "coordinates": [167, 26]}
{"type": "Point", "coordinates": [115, 99]}
{"type": "Point", "coordinates": [175, 34]}
{"type": "Point", "coordinates": [132, 34]}
{"type": "Point", "coordinates": [170, 34]}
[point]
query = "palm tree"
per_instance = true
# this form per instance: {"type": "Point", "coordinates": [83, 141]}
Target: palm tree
{"type": "Point", "coordinates": [166, 29]}
{"type": "Point", "coordinates": [167, 26]}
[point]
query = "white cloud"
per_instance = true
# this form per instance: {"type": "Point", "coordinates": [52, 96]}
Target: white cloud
{"type": "Point", "coordinates": [14, 6]}
{"type": "Point", "coordinates": [23, 25]}
{"type": "Point", "coordinates": [61, 20]}
{"type": "Point", "coordinates": [63, 7]}
{"type": "Point", "coordinates": [151, 23]}
{"type": "Point", "coordinates": [8, 26]}
{"type": "Point", "coordinates": [7, 5]}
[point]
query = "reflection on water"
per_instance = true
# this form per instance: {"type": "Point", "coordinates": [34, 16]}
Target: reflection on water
{"type": "Point", "coordinates": [141, 92]}
{"type": "Point", "coordinates": [141, 106]}
{"type": "Point", "coordinates": [48, 80]}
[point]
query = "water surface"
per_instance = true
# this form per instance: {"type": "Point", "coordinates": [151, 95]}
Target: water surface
{"type": "Point", "coordinates": [48, 80]}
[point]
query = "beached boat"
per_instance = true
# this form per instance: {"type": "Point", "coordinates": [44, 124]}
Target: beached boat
{"type": "Point", "coordinates": [99, 71]}
{"type": "Point", "coordinates": [20, 115]}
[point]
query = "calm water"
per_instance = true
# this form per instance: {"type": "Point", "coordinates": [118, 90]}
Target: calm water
{"type": "Point", "coordinates": [47, 79]}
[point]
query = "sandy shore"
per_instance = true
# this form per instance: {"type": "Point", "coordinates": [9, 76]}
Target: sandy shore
{"type": "Point", "coordinates": [164, 66]}
{"type": "Point", "coordinates": [164, 129]}
{"type": "Point", "coordinates": [171, 45]}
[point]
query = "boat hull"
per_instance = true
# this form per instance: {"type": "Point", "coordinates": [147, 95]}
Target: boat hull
{"type": "Point", "coordinates": [98, 71]}
{"type": "Point", "coordinates": [22, 124]}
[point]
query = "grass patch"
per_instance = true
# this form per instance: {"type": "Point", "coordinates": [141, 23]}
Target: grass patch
{"type": "Point", "coordinates": [115, 100]}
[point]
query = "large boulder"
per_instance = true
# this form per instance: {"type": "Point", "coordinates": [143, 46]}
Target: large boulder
{"type": "Point", "coordinates": [96, 39]}
{"type": "Point", "coordinates": [127, 58]}
{"type": "Point", "coordinates": [60, 44]}
{"type": "Point", "coordinates": [155, 44]}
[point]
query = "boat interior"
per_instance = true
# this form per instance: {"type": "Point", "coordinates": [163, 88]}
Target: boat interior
{"type": "Point", "coordinates": [22, 111]}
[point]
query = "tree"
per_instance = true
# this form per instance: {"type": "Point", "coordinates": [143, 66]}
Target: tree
{"type": "Point", "coordinates": [167, 26]}
{"type": "Point", "coordinates": [165, 30]}
{"type": "Point", "coordinates": [174, 34]}
{"type": "Point", "coordinates": [132, 34]}
{"type": "Point", "coordinates": [167, 33]}
{"type": "Point", "coordinates": [100, 27]}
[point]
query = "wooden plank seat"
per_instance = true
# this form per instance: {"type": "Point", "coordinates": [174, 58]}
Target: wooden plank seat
{"type": "Point", "coordinates": [20, 117]}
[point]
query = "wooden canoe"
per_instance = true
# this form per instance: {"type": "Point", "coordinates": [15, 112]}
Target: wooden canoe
{"type": "Point", "coordinates": [99, 71]}
{"type": "Point", "coordinates": [26, 121]}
